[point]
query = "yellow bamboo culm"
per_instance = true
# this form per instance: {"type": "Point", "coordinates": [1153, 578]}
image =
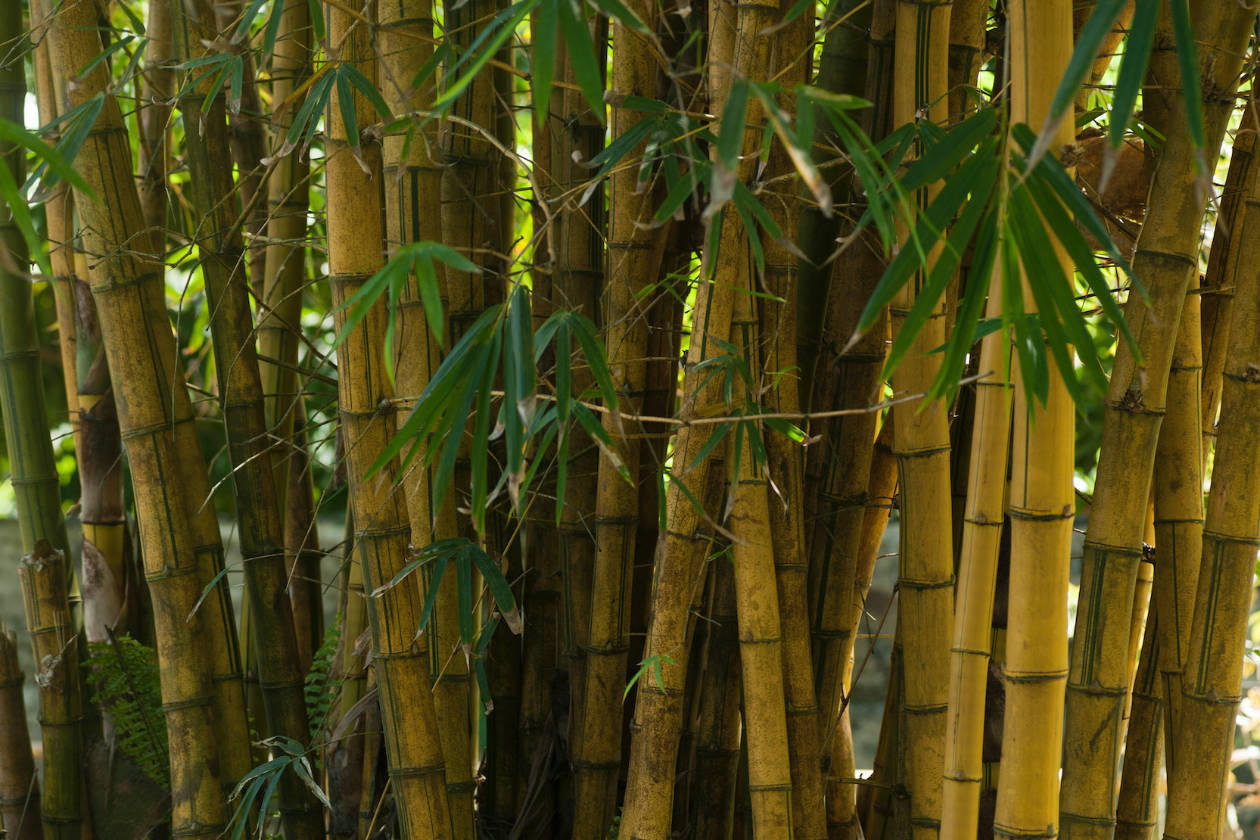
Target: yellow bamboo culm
{"type": "Point", "coordinates": [759, 620]}
{"type": "Point", "coordinates": [1042, 502]}
{"type": "Point", "coordinates": [977, 579]}
{"type": "Point", "coordinates": [1137, 807]}
{"type": "Point", "coordinates": [1166, 259]}
{"type": "Point", "coordinates": [356, 238]}
{"type": "Point", "coordinates": [412, 186]}
{"type": "Point", "coordinates": [633, 264]}
{"type": "Point", "coordinates": [178, 533]}
{"type": "Point", "coordinates": [1212, 676]}
{"type": "Point", "coordinates": [1178, 490]}
{"type": "Point", "coordinates": [925, 582]}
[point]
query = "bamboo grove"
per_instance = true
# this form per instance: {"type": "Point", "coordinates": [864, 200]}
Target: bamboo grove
{"type": "Point", "coordinates": [482, 418]}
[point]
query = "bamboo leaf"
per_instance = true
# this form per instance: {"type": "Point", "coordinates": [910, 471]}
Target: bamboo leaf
{"type": "Point", "coordinates": [716, 437]}
{"type": "Point", "coordinates": [596, 358]}
{"type": "Point", "coordinates": [500, 590]}
{"type": "Point", "coordinates": [731, 129]}
{"type": "Point", "coordinates": [463, 572]}
{"type": "Point", "coordinates": [1188, 61]}
{"type": "Point", "coordinates": [431, 590]}
{"type": "Point", "coordinates": [543, 62]}
{"type": "Point", "coordinates": [482, 49]}
{"type": "Point", "coordinates": [577, 38]}
{"type": "Point", "coordinates": [939, 277]}
{"type": "Point", "coordinates": [480, 445]}
{"type": "Point", "coordinates": [345, 102]}
{"type": "Point", "coordinates": [364, 86]}
{"type": "Point", "coordinates": [1137, 53]}
{"type": "Point", "coordinates": [430, 296]}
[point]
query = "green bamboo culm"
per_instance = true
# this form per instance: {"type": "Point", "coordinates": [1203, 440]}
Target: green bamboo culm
{"type": "Point", "coordinates": [38, 493]}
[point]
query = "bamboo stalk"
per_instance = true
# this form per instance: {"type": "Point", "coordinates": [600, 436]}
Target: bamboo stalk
{"type": "Point", "coordinates": [279, 317]}
{"type": "Point", "coordinates": [925, 580]}
{"type": "Point", "coordinates": [258, 511]}
{"type": "Point", "coordinates": [967, 24]}
{"type": "Point", "coordinates": [356, 238]}
{"type": "Point", "coordinates": [1137, 807]}
{"type": "Point", "coordinates": [634, 254]}
{"type": "Point", "coordinates": [179, 535]}
{"type": "Point", "coordinates": [1178, 489]}
{"type": "Point", "coordinates": [977, 579]}
{"type": "Point", "coordinates": [659, 704]}
{"type": "Point", "coordinates": [1211, 682]}
{"type": "Point", "coordinates": [1222, 269]}
{"type": "Point", "coordinates": [45, 590]}
{"type": "Point", "coordinates": [842, 795]}
{"type": "Point", "coordinates": [1042, 503]}
{"type": "Point", "coordinates": [776, 336]}
{"type": "Point", "coordinates": [344, 757]}
{"type": "Point", "coordinates": [412, 187]}
{"type": "Point", "coordinates": [1166, 260]}
{"type": "Point", "coordinates": [719, 725]}
{"type": "Point", "coordinates": [157, 88]}
{"type": "Point", "coordinates": [759, 620]}
{"type": "Point", "coordinates": [1106, 52]}
{"type": "Point", "coordinates": [45, 569]}
{"type": "Point", "coordinates": [19, 789]}
{"type": "Point", "coordinates": [89, 397]}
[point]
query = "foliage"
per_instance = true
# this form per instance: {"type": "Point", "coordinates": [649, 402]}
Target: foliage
{"type": "Point", "coordinates": [320, 685]}
{"type": "Point", "coordinates": [254, 792]}
{"type": "Point", "coordinates": [122, 675]}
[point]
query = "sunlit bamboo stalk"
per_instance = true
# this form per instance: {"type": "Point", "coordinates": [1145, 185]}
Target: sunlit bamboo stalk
{"type": "Point", "coordinates": [1211, 680]}
{"type": "Point", "coordinates": [977, 574]}
{"type": "Point", "coordinates": [412, 188]}
{"type": "Point", "coordinates": [1166, 259]}
{"type": "Point", "coordinates": [1042, 503]}
{"type": "Point", "coordinates": [633, 268]}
